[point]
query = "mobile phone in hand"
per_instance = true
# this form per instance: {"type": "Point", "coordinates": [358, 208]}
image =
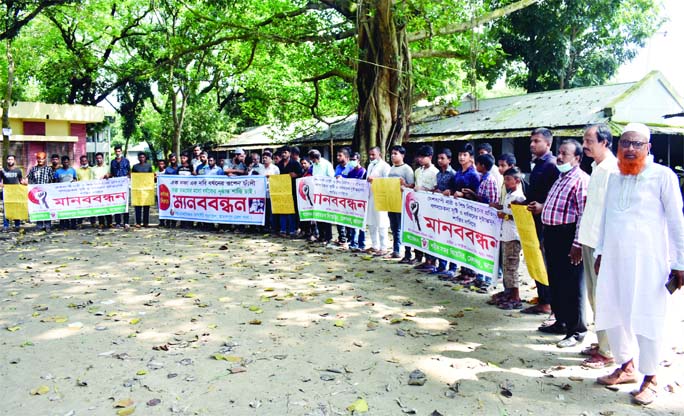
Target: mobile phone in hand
{"type": "Point", "coordinates": [671, 284]}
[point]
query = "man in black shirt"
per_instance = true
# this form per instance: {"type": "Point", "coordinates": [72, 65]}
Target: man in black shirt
{"type": "Point", "coordinates": [10, 176]}
{"type": "Point", "coordinates": [544, 174]}
{"type": "Point", "coordinates": [287, 165]}
{"type": "Point", "coordinates": [142, 213]}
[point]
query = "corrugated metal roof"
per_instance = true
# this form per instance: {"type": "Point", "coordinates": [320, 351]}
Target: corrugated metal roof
{"type": "Point", "coordinates": [560, 108]}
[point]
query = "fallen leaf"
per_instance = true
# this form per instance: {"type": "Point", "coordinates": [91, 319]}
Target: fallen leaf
{"type": "Point", "coordinates": [125, 412]}
{"type": "Point", "coordinates": [13, 328]}
{"type": "Point", "coordinates": [134, 321]}
{"type": "Point", "coordinates": [339, 323]}
{"type": "Point", "coordinates": [255, 322]}
{"type": "Point", "coordinates": [141, 372]}
{"type": "Point", "coordinates": [360, 406]}
{"type": "Point", "coordinates": [328, 301]}
{"type": "Point", "coordinates": [38, 391]}
{"type": "Point", "coordinates": [123, 403]}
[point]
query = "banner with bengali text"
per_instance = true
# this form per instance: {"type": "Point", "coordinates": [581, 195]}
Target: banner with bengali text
{"type": "Point", "coordinates": [529, 241]}
{"type": "Point", "coordinates": [15, 199]}
{"type": "Point", "coordinates": [334, 200]}
{"type": "Point", "coordinates": [142, 189]}
{"type": "Point", "coordinates": [280, 190]}
{"type": "Point", "coordinates": [59, 201]}
{"type": "Point", "coordinates": [454, 229]}
{"type": "Point", "coordinates": [212, 199]}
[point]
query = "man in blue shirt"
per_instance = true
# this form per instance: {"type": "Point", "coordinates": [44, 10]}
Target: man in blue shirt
{"type": "Point", "coordinates": [120, 167]}
{"type": "Point", "coordinates": [66, 174]}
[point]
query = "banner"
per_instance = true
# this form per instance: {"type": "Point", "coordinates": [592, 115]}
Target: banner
{"type": "Point", "coordinates": [454, 229]}
{"type": "Point", "coordinates": [212, 199]}
{"type": "Point", "coordinates": [280, 189]}
{"type": "Point", "coordinates": [59, 201]}
{"type": "Point", "coordinates": [16, 202]}
{"type": "Point", "coordinates": [142, 189]}
{"type": "Point", "coordinates": [334, 200]}
{"type": "Point", "coordinates": [387, 194]}
{"type": "Point", "coordinates": [529, 241]}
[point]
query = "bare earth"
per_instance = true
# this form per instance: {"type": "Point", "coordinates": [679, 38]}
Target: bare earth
{"type": "Point", "coordinates": [176, 322]}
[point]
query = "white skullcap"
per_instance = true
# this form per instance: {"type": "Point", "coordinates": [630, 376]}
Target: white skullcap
{"type": "Point", "coordinates": [638, 128]}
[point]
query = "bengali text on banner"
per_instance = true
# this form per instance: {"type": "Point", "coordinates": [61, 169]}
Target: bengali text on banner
{"type": "Point", "coordinates": [212, 199]}
{"type": "Point", "coordinates": [58, 201]}
{"type": "Point", "coordinates": [334, 200]}
{"type": "Point", "coordinates": [454, 229]}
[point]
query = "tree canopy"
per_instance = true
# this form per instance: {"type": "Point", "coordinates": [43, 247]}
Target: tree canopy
{"type": "Point", "coordinates": [179, 72]}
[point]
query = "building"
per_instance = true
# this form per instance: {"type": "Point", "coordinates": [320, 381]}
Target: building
{"type": "Point", "coordinates": [50, 128]}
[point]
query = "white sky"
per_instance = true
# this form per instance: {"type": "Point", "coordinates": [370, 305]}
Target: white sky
{"type": "Point", "coordinates": [663, 52]}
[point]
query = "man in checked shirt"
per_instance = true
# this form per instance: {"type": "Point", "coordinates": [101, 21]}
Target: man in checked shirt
{"type": "Point", "coordinates": [561, 214]}
{"type": "Point", "coordinates": [38, 175]}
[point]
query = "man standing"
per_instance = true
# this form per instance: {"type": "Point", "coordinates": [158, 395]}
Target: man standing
{"type": "Point", "coordinates": [322, 167]}
{"type": "Point", "coordinates": [101, 171]}
{"type": "Point", "coordinates": [38, 175]}
{"type": "Point", "coordinates": [288, 222]}
{"type": "Point", "coordinates": [196, 159]}
{"type": "Point", "coordinates": [561, 215]}
{"type": "Point", "coordinates": [118, 168]}
{"type": "Point", "coordinates": [85, 173]}
{"type": "Point", "coordinates": [235, 166]}
{"type": "Point", "coordinates": [377, 221]}
{"type": "Point", "coordinates": [426, 181]}
{"type": "Point", "coordinates": [10, 176]}
{"type": "Point", "coordinates": [641, 241]}
{"type": "Point", "coordinates": [200, 168]}
{"type": "Point", "coordinates": [213, 170]}
{"type": "Point", "coordinates": [597, 144]}
{"type": "Point", "coordinates": [445, 177]}
{"type": "Point", "coordinates": [404, 172]}
{"type": "Point", "coordinates": [142, 213]}
{"type": "Point", "coordinates": [63, 175]}
{"type": "Point", "coordinates": [342, 171]}
{"type": "Point", "coordinates": [55, 162]}
{"type": "Point", "coordinates": [544, 174]}
{"type": "Point", "coordinates": [486, 149]}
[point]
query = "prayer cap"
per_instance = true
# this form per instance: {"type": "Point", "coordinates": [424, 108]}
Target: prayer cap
{"type": "Point", "coordinates": [239, 151]}
{"type": "Point", "coordinates": [638, 128]}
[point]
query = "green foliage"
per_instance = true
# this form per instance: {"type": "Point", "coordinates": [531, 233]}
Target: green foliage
{"type": "Point", "coordinates": [566, 44]}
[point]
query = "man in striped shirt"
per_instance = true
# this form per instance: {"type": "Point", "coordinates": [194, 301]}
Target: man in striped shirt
{"type": "Point", "coordinates": [561, 214]}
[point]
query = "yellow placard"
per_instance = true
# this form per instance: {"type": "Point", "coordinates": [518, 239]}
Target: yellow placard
{"type": "Point", "coordinates": [386, 194]}
{"type": "Point", "coordinates": [280, 187]}
{"type": "Point", "coordinates": [16, 202]}
{"type": "Point", "coordinates": [530, 243]}
{"type": "Point", "coordinates": [142, 189]}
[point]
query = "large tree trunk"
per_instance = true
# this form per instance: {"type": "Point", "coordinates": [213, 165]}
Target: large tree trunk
{"type": "Point", "coordinates": [383, 78]}
{"type": "Point", "coordinates": [7, 100]}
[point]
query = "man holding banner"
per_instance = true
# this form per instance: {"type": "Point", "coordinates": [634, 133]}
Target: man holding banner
{"type": "Point", "coordinates": [404, 173]}
{"type": "Point", "coordinates": [142, 213]}
{"type": "Point", "coordinates": [38, 175]}
{"type": "Point", "coordinates": [120, 167]}
{"type": "Point", "coordinates": [377, 221]}
{"type": "Point", "coordinates": [322, 167]}
{"type": "Point", "coordinates": [10, 176]}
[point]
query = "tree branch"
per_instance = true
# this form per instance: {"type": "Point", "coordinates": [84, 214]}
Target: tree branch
{"type": "Point", "coordinates": [15, 27]}
{"type": "Point", "coordinates": [438, 54]}
{"type": "Point", "coordinates": [332, 73]}
{"type": "Point", "coordinates": [462, 27]}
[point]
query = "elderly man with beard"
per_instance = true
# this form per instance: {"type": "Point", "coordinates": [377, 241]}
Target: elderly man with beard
{"type": "Point", "coordinates": [641, 242]}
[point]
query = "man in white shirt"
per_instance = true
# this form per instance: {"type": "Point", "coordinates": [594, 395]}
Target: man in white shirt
{"type": "Point", "coordinates": [322, 167]}
{"type": "Point", "coordinates": [425, 180]}
{"type": "Point", "coordinates": [377, 221]}
{"type": "Point", "coordinates": [597, 145]}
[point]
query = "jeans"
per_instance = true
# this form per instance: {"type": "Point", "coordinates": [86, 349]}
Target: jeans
{"type": "Point", "coordinates": [325, 231]}
{"type": "Point", "coordinates": [117, 218]}
{"type": "Point", "coordinates": [142, 215]}
{"type": "Point", "coordinates": [395, 226]}
{"type": "Point", "coordinates": [351, 237]}
{"type": "Point", "coordinates": [288, 224]}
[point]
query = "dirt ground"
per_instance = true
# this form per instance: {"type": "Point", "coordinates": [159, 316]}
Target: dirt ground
{"type": "Point", "coordinates": [186, 322]}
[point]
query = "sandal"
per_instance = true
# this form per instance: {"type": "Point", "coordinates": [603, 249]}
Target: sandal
{"type": "Point", "coordinates": [646, 394]}
{"type": "Point", "coordinates": [510, 304]}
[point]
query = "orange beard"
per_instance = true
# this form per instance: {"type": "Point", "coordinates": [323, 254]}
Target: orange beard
{"type": "Point", "coordinates": [630, 166]}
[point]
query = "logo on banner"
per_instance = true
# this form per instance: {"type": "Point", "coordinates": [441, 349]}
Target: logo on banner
{"type": "Point", "coordinates": [305, 192]}
{"type": "Point", "coordinates": [412, 207]}
{"type": "Point", "coordinates": [38, 197]}
{"type": "Point", "coordinates": [164, 197]}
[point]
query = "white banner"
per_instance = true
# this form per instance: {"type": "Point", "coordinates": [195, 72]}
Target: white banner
{"type": "Point", "coordinates": [334, 200]}
{"type": "Point", "coordinates": [59, 201]}
{"type": "Point", "coordinates": [454, 229]}
{"type": "Point", "coordinates": [212, 199]}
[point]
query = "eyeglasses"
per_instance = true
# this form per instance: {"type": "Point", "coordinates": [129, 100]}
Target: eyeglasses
{"type": "Point", "coordinates": [636, 145]}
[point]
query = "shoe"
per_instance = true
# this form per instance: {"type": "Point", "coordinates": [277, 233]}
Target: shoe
{"type": "Point", "coordinates": [381, 253]}
{"type": "Point", "coordinates": [591, 350]}
{"type": "Point", "coordinates": [569, 342]}
{"type": "Point", "coordinates": [343, 247]}
{"type": "Point", "coordinates": [598, 361]}
{"type": "Point", "coordinates": [556, 328]}
{"type": "Point", "coordinates": [127, 227]}
{"type": "Point", "coordinates": [509, 305]}
{"type": "Point", "coordinates": [138, 225]}
{"type": "Point", "coordinates": [117, 226]}
{"type": "Point", "coordinates": [436, 270]}
{"type": "Point", "coordinates": [394, 255]}
{"type": "Point", "coordinates": [646, 394]}
{"type": "Point", "coordinates": [355, 249]}
{"type": "Point", "coordinates": [5, 229]}
{"type": "Point", "coordinates": [446, 275]}
{"type": "Point", "coordinates": [405, 260]}
{"type": "Point", "coordinates": [423, 266]}
{"type": "Point", "coordinates": [619, 376]}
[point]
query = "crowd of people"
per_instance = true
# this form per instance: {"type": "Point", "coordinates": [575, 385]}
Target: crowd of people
{"type": "Point", "coordinates": [613, 237]}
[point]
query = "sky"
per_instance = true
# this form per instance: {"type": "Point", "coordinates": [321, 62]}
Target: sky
{"type": "Point", "coordinates": [663, 52]}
